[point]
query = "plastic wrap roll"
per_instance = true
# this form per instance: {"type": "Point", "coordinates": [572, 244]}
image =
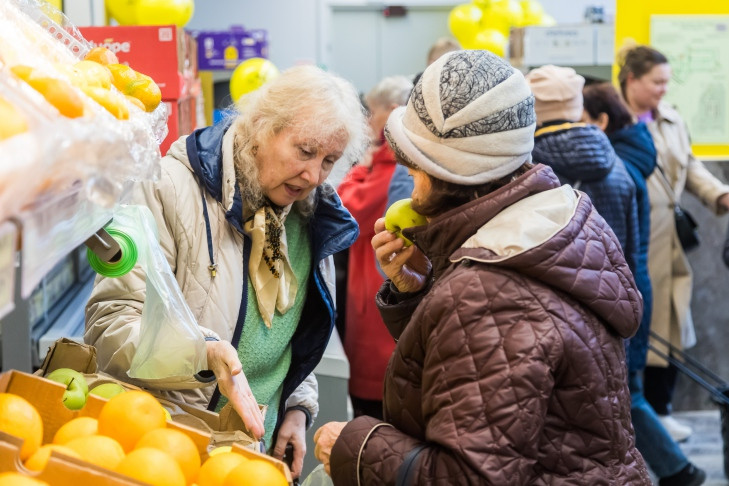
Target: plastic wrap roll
{"type": "Point", "coordinates": [123, 265]}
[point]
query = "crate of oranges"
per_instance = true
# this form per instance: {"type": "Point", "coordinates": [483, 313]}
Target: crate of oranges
{"type": "Point", "coordinates": [49, 435]}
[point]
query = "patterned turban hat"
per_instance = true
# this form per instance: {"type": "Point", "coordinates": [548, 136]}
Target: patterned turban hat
{"type": "Point", "coordinates": [470, 120]}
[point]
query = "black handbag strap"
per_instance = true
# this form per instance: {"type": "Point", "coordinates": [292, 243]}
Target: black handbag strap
{"type": "Point", "coordinates": [406, 473]}
{"type": "Point", "coordinates": [668, 184]}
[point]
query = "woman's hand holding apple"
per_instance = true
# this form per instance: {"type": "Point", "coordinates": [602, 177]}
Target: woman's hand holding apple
{"type": "Point", "coordinates": [407, 267]}
{"type": "Point", "coordinates": [223, 361]}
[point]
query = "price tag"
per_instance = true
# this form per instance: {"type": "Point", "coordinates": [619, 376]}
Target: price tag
{"type": "Point", "coordinates": [8, 242]}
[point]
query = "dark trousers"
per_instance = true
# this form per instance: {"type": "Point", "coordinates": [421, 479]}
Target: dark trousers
{"type": "Point", "coordinates": [341, 269]}
{"type": "Point", "coordinates": [371, 408]}
{"type": "Point", "coordinates": [658, 386]}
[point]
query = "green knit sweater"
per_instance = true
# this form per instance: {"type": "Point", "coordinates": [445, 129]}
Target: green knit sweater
{"type": "Point", "coordinates": [266, 353]}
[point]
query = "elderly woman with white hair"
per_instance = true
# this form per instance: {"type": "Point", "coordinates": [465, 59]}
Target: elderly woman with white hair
{"type": "Point", "coordinates": [248, 227]}
{"type": "Point", "coordinates": [510, 308]}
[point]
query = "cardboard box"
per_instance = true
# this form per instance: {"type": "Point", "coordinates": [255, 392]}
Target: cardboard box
{"type": "Point", "coordinates": [181, 121]}
{"type": "Point", "coordinates": [47, 398]}
{"type": "Point", "coordinates": [224, 428]}
{"type": "Point", "coordinates": [164, 52]}
{"type": "Point", "coordinates": [221, 50]}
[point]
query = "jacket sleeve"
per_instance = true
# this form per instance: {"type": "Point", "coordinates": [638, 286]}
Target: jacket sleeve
{"type": "Point", "coordinates": [487, 377]}
{"type": "Point", "coordinates": [401, 185]}
{"type": "Point", "coordinates": [306, 396]}
{"type": "Point", "coordinates": [114, 309]}
{"type": "Point", "coordinates": [702, 183]}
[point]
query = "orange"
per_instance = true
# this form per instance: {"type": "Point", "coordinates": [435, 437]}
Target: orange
{"type": "Point", "coordinates": [39, 459]}
{"type": "Point", "coordinates": [255, 472]}
{"type": "Point", "coordinates": [178, 445]}
{"type": "Point", "coordinates": [146, 91]}
{"type": "Point", "coordinates": [17, 479]}
{"type": "Point", "coordinates": [152, 466]}
{"type": "Point", "coordinates": [139, 105]}
{"type": "Point", "coordinates": [75, 428]}
{"type": "Point", "coordinates": [94, 74]}
{"type": "Point", "coordinates": [22, 71]}
{"type": "Point", "coordinates": [112, 101]}
{"type": "Point", "coordinates": [60, 94]}
{"type": "Point", "coordinates": [213, 472]}
{"type": "Point", "coordinates": [19, 418]}
{"type": "Point", "coordinates": [128, 416]}
{"type": "Point", "coordinates": [121, 76]}
{"type": "Point", "coordinates": [135, 84]}
{"type": "Point", "coordinates": [102, 55]}
{"type": "Point", "coordinates": [98, 449]}
{"type": "Point", "coordinates": [12, 121]}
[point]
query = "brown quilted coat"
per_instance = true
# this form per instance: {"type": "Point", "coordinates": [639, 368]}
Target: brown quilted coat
{"type": "Point", "coordinates": [508, 372]}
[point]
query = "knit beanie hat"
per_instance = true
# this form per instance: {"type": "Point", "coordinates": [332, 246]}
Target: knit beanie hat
{"type": "Point", "coordinates": [557, 93]}
{"type": "Point", "coordinates": [470, 120]}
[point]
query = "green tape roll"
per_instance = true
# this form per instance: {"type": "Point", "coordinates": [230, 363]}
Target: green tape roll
{"type": "Point", "coordinates": [120, 267]}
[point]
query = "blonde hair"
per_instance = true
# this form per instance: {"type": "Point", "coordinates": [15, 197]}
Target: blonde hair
{"type": "Point", "coordinates": [392, 90]}
{"type": "Point", "coordinates": [440, 47]}
{"type": "Point", "coordinates": [318, 104]}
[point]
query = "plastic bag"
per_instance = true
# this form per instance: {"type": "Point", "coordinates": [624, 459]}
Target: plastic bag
{"type": "Point", "coordinates": [318, 477]}
{"type": "Point", "coordinates": [171, 348]}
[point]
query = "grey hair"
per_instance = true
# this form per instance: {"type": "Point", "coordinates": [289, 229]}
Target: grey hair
{"type": "Point", "coordinates": [319, 105]}
{"type": "Point", "coordinates": [392, 90]}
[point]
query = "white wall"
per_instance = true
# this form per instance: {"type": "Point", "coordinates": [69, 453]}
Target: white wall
{"type": "Point", "coordinates": [301, 31]}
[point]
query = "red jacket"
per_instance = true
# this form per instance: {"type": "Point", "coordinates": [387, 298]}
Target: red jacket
{"type": "Point", "coordinates": [367, 342]}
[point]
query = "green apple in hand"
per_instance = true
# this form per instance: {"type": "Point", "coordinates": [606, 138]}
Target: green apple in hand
{"type": "Point", "coordinates": [401, 215]}
{"type": "Point", "coordinates": [74, 398]}
{"type": "Point", "coordinates": [107, 390]}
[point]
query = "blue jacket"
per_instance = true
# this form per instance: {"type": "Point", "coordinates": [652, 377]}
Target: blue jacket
{"type": "Point", "coordinates": [634, 145]}
{"type": "Point", "coordinates": [580, 152]}
{"type": "Point", "coordinates": [331, 230]}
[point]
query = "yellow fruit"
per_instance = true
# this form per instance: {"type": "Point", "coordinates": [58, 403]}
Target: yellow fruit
{"type": "Point", "coordinates": [17, 479]}
{"type": "Point", "coordinates": [39, 459]}
{"type": "Point", "coordinates": [102, 55]}
{"type": "Point", "coordinates": [57, 92]}
{"type": "Point", "coordinates": [60, 94]}
{"type": "Point", "coordinates": [135, 84]}
{"type": "Point", "coordinates": [22, 71]}
{"type": "Point", "coordinates": [12, 121]}
{"type": "Point", "coordinates": [19, 418]}
{"type": "Point", "coordinates": [255, 472]}
{"type": "Point", "coordinates": [216, 468]}
{"type": "Point", "coordinates": [98, 449]}
{"type": "Point", "coordinates": [112, 101]}
{"type": "Point", "coordinates": [146, 91]}
{"type": "Point", "coordinates": [121, 76]}
{"type": "Point", "coordinates": [152, 466]}
{"type": "Point", "coordinates": [178, 445]}
{"type": "Point", "coordinates": [75, 428]}
{"type": "Point", "coordinates": [128, 416]}
{"type": "Point", "coordinates": [94, 74]}
{"type": "Point", "coordinates": [220, 450]}
{"type": "Point", "coordinates": [139, 105]}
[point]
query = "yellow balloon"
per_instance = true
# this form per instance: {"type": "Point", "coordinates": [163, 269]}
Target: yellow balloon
{"type": "Point", "coordinates": [548, 20]}
{"type": "Point", "coordinates": [533, 12]}
{"type": "Point", "coordinates": [123, 11]}
{"type": "Point", "coordinates": [250, 75]}
{"type": "Point", "coordinates": [158, 12]}
{"type": "Point", "coordinates": [488, 40]}
{"type": "Point", "coordinates": [497, 17]}
{"type": "Point", "coordinates": [464, 21]}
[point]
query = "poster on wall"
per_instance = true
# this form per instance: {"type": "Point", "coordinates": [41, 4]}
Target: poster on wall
{"type": "Point", "coordinates": [696, 47]}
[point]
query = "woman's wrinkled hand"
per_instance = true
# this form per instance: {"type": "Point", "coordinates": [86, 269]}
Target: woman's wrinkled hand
{"type": "Point", "coordinates": [407, 267]}
{"type": "Point", "coordinates": [292, 431]}
{"type": "Point", "coordinates": [223, 361]}
{"type": "Point", "coordinates": [324, 440]}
